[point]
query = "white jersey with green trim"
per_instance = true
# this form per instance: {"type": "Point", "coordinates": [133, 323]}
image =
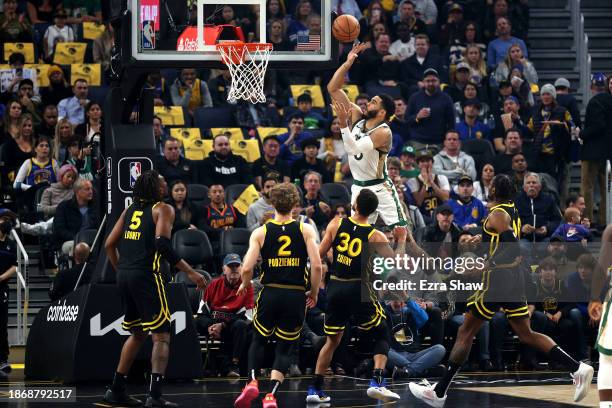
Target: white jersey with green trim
{"type": "Point", "coordinates": [369, 165]}
{"type": "Point", "coordinates": [604, 338]}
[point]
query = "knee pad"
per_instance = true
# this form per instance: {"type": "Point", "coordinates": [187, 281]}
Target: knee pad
{"type": "Point", "coordinates": [282, 359]}
{"type": "Point", "coordinates": [604, 377]}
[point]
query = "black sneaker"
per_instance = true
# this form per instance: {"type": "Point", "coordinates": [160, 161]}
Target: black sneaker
{"type": "Point", "coordinates": [121, 398]}
{"type": "Point", "coordinates": [5, 367]}
{"type": "Point", "coordinates": [159, 402]}
{"type": "Point", "coordinates": [233, 371]}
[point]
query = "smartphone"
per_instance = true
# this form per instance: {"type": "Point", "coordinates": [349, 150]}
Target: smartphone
{"type": "Point", "coordinates": [19, 72]}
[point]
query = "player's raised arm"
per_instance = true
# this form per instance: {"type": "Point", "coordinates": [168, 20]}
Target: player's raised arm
{"type": "Point", "coordinates": [600, 274]}
{"type": "Point", "coordinates": [334, 87]}
{"type": "Point", "coordinates": [316, 268]}
{"type": "Point", "coordinates": [113, 239]}
{"type": "Point", "coordinates": [250, 259]}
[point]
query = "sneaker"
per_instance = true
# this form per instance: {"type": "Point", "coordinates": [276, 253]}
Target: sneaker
{"type": "Point", "coordinates": [269, 401]}
{"type": "Point", "coordinates": [5, 367]}
{"type": "Point", "coordinates": [426, 393]}
{"type": "Point", "coordinates": [233, 371]}
{"type": "Point", "coordinates": [121, 398]}
{"type": "Point", "coordinates": [30, 229]}
{"type": "Point", "coordinates": [316, 396]}
{"type": "Point", "coordinates": [159, 402]}
{"type": "Point", "coordinates": [582, 381]}
{"type": "Point", "coordinates": [380, 392]}
{"type": "Point", "coordinates": [294, 371]}
{"type": "Point", "coordinates": [249, 393]}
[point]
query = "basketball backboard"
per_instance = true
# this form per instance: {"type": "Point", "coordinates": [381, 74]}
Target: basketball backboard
{"type": "Point", "coordinates": [184, 32]}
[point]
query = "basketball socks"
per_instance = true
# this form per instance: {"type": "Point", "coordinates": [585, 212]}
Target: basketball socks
{"type": "Point", "coordinates": [377, 375]}
{"type": "Point", "coordinates": [118, 382]}
{"type": "Point", "coordinates": [445, 382]}
{"type": "Point", "coordinates": [557, 354]}
{"type": "Point", "coordinates": [253, 377]}
{"type": "Point", "coordinates": [155, 389]}
{"type": "Point", "coordinates": [318, 381]}
{"type": "Point", "coordinates": [275, 385]}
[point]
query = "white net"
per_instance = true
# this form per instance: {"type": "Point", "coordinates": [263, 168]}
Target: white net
{"type": "Point", "coordinates": [247, 65]}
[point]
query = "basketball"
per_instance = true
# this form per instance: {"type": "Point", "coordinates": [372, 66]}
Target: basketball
{"type": "Point", "coordinates": [346, 28]}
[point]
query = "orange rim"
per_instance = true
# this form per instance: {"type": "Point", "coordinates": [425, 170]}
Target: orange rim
{"type": "Point", "coordinates": [240, 47]}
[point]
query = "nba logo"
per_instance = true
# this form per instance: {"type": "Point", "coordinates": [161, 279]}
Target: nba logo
{"type": "Point", "coordinates": [135, 172]}
{"type": "Point", "coordinates": [148, 35]}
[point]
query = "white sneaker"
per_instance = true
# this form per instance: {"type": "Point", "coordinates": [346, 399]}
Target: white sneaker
{"type": "Point", "coordinates": [380, 392]}
{"type": "Point", "coordinates": [426, 393]}
{"type": "Point", "coordinates": [582, 380]}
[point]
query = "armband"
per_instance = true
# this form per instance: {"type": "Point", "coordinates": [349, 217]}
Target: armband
{"type": "Point", "coordinates": [164, 247]}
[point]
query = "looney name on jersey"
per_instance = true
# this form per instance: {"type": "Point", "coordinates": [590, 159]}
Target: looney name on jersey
{"type": "Point", "coordinates": [131, 235]}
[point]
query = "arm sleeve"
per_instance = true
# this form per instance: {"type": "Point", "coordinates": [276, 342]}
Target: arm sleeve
{"type": "Point", "coordinates": [21, 175]}
{"type": "Point", "coordinates": [418, 314]}
{"type": "Point", "coordinates": [353, 146]}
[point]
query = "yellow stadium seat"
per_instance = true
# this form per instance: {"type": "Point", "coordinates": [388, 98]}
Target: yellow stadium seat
{"type": "Point", "coordinates": [198, 149]}
{"type": "Point", "coordinates": [249, 149]}
{"type": "Point", "coordinates": [185, 134]}
{"type": "Point", "coordinates": [92, 30]}
{"type": "Point", "coordinates": [68, 53]}
{"type": "Point", "coordinates": [234, 133]}
{"type": "Point", "coordinates": [270, 131]}
{"type": "Point", "coordinates": [27, 49]}
{"type": "Point", "coordinates": [170, 115]}
{"type": "Point", "coordinates": [42, 79]}
{"type": "Point", "coordinates": [315, 93]}
{"type": "Point", "coordinates": [92, 73]}
{"type": "Point", "coordinates": [352, 91]}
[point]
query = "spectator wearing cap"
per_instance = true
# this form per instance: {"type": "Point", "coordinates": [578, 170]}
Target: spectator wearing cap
{"type": "Point", "coordinates": [471, 127]}
{"type": "Point", "coordinates": [430, 113]}
{"type": "Point", "coordinates": [454, 28]}
{"type": "Point", "coordinates": [269, 165]}
{"type": "Point", "coordinates": [428, 189]}
{"type": "Point", "coordinates": [261, 211]}
{"type": "Point", "coordinates": [459, 80]}
{"type": "Point", "coordinates": [498, 48]}
{"type": "Point", "coordinates": [509, 118]}
{"type": "Point", "coordinates": [291, 142]}
{"type": "Point", "coordinates": [172, 165]}
{"type": "Point", "coordinates": [56, 33]}
{"type": "Point", "coordinates": [222, 313]}
{"type": "Point", "coordinates": [452, 162]}
{"type": "Point", "coordinates": [538, 211]}
{"type": "Point", "coordinates": [312, 119]}
{"type": "Point", "coordinates": [514, 56]}
{"type": "Point", "coordinates": [596, 138]}
{"type": "Point", "coordinates": [551, 125]}
{"type": "Point", "coordinates": [414, 67]}
{"type": "Point", "coordinates": [222, 166]}
{"type": "Point", "coordinates": [568, 101]}
{"type": "Point", "coordinates": [468, 211]}
{"type": "Point", "coordinates": [441, 230]}
{"type": "Point", "coordinates": [309, 162]}
{"type": "Point", "coordinates": [58, 88]}
{"type": "Point", "coordinates": [409, 168]}
{"type": "Point", "coordinates": [403, 47]}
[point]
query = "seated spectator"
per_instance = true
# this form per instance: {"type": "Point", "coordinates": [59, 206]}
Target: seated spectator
{"type": "Point", "coordinates": [222, 166]}
{"type": "Point", "coordinates": [159, 134]}
{"type": "Point", "coordinates": [578, 285]}
{"type": "Point", "coordinates": [219, 88]}
{"type": "Point", "coordinates": [406, 15]}
{"type": "Point", "coordinates": [299, 24]}
{"type": "Point", "coordinates": [49, 121]}
{"type": "Point", "coordinates": [79, 156]}
{"type": "Point", "coordinates": [497, 49]}
{"type": "Point", "coordinates": [159, 86]}
{"type": "Point", "coordinates": [297, 215]}
{"type": "Point", "coordinates": [291, 142]}
{"type": "Point", "coordinates": [261, 211]}
{"type": "Point", "coordinates": [520, 87]}
{"type": "Point", "coordinates": [454, 28]}
{"type": "Point", "coordinates": [468, 211]}
{"type": "Point", "coordinates": [414, 67]}
{"type": "Point", "coordinates": [373, 15]}
{"type": "Point", "coordinates": [458, 80]}
{"type": "Point", "coordinates": [452, 162]}
{"type": "Point", "coordinates": [399, 125]}
{"type": "Point", "coordinates": [406, 357]}
{"type": "Point", "coordinates": [58, 88]}
{"type": "Point", "coordinates": [219, 216]}
{"type": "Point", "coordinates": [186, 214]}
{"type": "Point", "coordinates": [29, 101]}
{"type": "Point", "coordinates": [469, 49]}
{"type": "Point", "coordinates": [557, 251]}
{"type": "Point", "coordinates": [428, 188]}
{"type": "Point", "coordinates": [393, 170]}
{"type": "Point", "coordinates": [103, 47]}
{"type": "Point", "coordinates": [471, 91]}
{"type": "Point", "coordinates": [57, 33]}
{"type": "Point", "coordinates": [539, 214]}
{"type": "Point", "coordinates": [172, 165]}
{"type": "Point", "coordinates": [190, 92]}
{"type": "Point", "coordinates": [309, 162]}
{"type": "Point", "coordinates": [313, 205]}
{"type": "Point", "coordinates": [577, 201]}
{"type": "Point", "coordinates": [516, 13]}
{"type": "Point", "coordinates": [269, 165]}
{"type": "Point", "coordinates": [509, 118]}
{"type": "Point", "coordinates": [403, 47]}
{"type": "Point", "coordinates": [441, 232]}
{"type": "Point", "coordinates": [222, 313]}
{"type": "Point", "coordinates": [430, 113]}
{"type": "Point", "coordinates": [277, 35]}
{"type": "Point", "coordinates": [513, 58]}
{"type": "Point", "coordinates": [312, 119]}
{"type": "Point", "coordinates": [331, 149]}
{"type": "Point", "coordinates": [483, 185]}
{"type": "Point", "coordinates": [409, 168]}
{"type": "Point", "coordinates": [91, 128]}
{"type": "Point", "coordinates": [65, 280]}
{"type": "Point", "coordinates": [519, 170]}
{"type": "Point", "coordinates": [17, 149]}
{"type": "Point", "coordinates": [74, 215]}
{"type": "Point", "coordinates": [471, 127]}
{"type": "Point", "coordinates": [513, 144]}
{"type": "Point", "coordinates": [340, 210]}
{"type": "Point", "coordinates": [426, 10]}
{"type": "Point", "coordinates": [12, 120]}
{"type": "Point", "coordinates": [14, 27]}
{"type": "Point", "coordinates": [74, 108]}
{"type": "Point", "coordinates": [573, 232]}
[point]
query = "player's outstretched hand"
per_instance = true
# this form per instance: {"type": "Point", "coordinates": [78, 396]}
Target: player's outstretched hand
{"type": "Point", "coordinates": [244, 286]}
{"type": "Point", "coordinates": [400, 234]}
{"type": "Point", "coordinates": [354, 53]}
{"type": "Point", "coordinates": [311, 299]}
{"type": "Point", "coordinates": [595, 310]}
{"type": "Point", "coordinates": [343, 112]}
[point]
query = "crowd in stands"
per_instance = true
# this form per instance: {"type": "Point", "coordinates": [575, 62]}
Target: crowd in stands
{"type": "Point", "coordinates": [468, 106]}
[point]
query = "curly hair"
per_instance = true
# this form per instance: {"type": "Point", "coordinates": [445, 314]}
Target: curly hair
{"type": "Point", "coordinates": [147, 188]}
{"type": "Point", "coordinates": [284, 197]}
{"type": "Point", "coordinates": [502, 188]}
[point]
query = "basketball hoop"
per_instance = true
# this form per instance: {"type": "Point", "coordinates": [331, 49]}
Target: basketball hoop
{"type": "Point", "coordinates": [247, 63]}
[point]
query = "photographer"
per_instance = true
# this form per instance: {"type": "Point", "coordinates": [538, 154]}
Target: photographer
{"type": "Point", "coordinates": [8, 267]}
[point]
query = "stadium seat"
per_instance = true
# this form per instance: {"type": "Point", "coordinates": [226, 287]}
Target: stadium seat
{"type": "Point", "coordinates": [315, 93]}
{"type": "Point", "coordinates": [98, 94]}
{"type": "Point", "coordinates": [197, 149]}
{"type": "Point", "coordinates": [264, 132]}
{"type": "Point", "coordinates": [549, 185]}
{"type": "Point", "coordinates": [171, 115]}
{"type": "Point", "coordinates": [206, 118]}
{"type": "Point", "coordinates": [335, 193]}
{"type": "Point", "coordinates": [185, 134]}
{"type": "Point", "coordinates": [233, 191]}
{"type": "Point", "coordinates": [235, 240]}
{"type": "Point", "coordinates": [193, 246]}
{"type": "Point", "coordinates": [248, 149]}
{"type": "Point", "coordinates": [26, 49]}
{"type": "Point", "coordinates": [67, 53]}
{"type": "Point", "coordinates": [198, 194]}
{"type": "Point", "coordinates": [193, 293]}
{"type": "Point", "coordinates": [481, 150]}
{"type": "Point", "coordinates": [234, 133]}
{"type": "Point", "coordinates": [92, 73]}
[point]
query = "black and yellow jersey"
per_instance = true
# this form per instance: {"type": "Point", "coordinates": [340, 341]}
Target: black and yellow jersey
{"type": "Point", "coordinates": [490, 236]}
{"type": "Point", "coordinates": [137, 243]}
{"type": "Point", "coordinates": [284, 255]}
{"type": "Point", "coordinates": [350, 242]}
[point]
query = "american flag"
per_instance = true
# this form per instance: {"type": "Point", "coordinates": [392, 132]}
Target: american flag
{"type": "Point", "coordinates": [308, 43]}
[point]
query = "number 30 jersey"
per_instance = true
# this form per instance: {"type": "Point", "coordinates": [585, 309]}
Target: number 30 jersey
{"type": "Point", "coordinates": [351, 239]}
{"type": "Point", "coordinates": [137, 243]}
{"type": "Point", "coordinates": [284, 255]}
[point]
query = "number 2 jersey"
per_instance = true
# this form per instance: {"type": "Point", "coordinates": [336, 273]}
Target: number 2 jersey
{"type": "Point", "coordinates": [284, 255]}
{"type": "Point", "coordinates": [350, 241]}
{"type": "Point", "coordinates": [137, 243]}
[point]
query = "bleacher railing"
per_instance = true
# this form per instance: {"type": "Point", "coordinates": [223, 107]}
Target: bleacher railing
{"type": "Point", "coordinates": [581, 45]}
{"type": "Point", "coordinates": [23, 292]}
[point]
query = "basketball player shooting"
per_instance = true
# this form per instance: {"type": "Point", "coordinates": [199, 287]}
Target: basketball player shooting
{"type": "Point", "coordinates": [367, 142]}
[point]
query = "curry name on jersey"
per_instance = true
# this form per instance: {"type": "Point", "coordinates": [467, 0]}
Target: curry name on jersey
{"type": "Point", "coordinates": [284, 254]}
{"type": "Point", "coordinates": [348, 245]}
